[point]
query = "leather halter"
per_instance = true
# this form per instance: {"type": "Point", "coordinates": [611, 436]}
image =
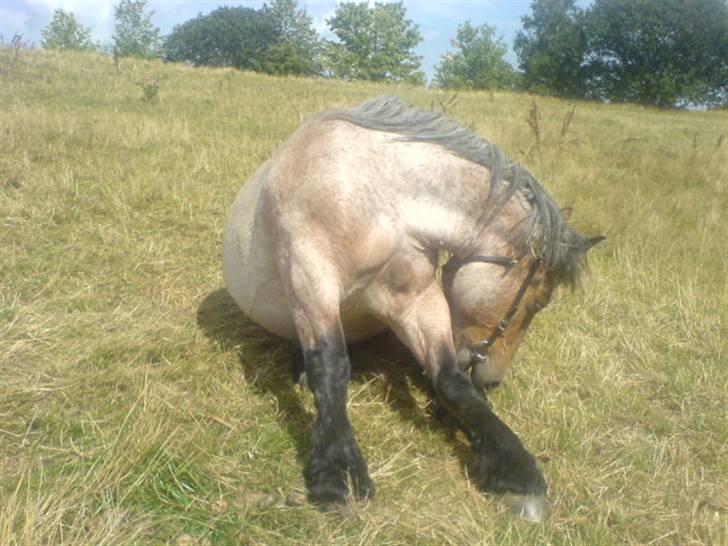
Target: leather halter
{"type": "Point", "coordinates": [479, 351]}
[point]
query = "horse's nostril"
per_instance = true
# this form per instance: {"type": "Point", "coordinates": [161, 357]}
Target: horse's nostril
{"type": "Point", "coordinates": [490, 385]}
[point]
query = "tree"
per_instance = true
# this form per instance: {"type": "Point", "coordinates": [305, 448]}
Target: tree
{"type": "Point", "coordinates": [295, 47]}
{"type": "Point", "coordinates": [135, 35]}
{"type": "Point", "coordinates": [478, 62]}
{"type": "Point", "coordinates": [658, 52]}
{"type": "Point", "coordinates": [64, 32]}
{"type": "Point", "coordinates": [551, 48]}
{"type": "Point", "coordinates": [374, 43]}
{"type": "Point", "coordinates": [278, 39]}
{"type": "Point", "coordinates": [237, 37]}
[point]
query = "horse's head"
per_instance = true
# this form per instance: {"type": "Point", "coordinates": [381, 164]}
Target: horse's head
{"type": "Point", "coordinates": [492, 302]}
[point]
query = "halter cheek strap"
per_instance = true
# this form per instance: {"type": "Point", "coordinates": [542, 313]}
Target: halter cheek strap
{"type": "Point", "coordinates": [479, 351]}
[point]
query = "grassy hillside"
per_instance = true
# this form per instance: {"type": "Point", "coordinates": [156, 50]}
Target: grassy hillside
{"type": "Point", "coordinates": [138, 406]}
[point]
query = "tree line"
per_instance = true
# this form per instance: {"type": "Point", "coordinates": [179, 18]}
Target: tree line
{"type": "Point", "coordinates": [653, 52]}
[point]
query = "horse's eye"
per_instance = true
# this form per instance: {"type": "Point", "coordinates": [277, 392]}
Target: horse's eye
{"type": "Point", "coordinates": [536, 306]}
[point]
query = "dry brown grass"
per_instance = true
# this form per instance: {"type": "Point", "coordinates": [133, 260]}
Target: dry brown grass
{"type": "Point", "coordinates": [137, 406]}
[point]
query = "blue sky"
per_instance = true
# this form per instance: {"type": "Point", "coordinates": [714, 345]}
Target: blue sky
{"type": "Point", "coordinates": [438, 20]}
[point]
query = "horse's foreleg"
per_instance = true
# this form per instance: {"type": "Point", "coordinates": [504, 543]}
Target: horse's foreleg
{"type": "Point", "coordinates": [335, 460]}
{"type": "Point", "coordinates": [502, 464]}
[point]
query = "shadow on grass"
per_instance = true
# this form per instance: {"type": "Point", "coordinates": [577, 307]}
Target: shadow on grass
{"type": "Point", "coordinates": [266, 362]}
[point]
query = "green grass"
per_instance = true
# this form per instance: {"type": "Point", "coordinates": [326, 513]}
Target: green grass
{"type": "Point", "coordinates": [138, 406]}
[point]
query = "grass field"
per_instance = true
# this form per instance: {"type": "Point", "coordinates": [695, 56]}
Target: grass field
{"type": "Point", "coordinates": [138, 406]}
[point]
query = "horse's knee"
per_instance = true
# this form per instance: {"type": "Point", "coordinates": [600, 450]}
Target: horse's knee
{"type": "Point", "coordinates": [457, 392]}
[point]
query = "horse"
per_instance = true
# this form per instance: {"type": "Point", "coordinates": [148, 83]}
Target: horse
{"type": "Point", "coordinates": [338, 236]}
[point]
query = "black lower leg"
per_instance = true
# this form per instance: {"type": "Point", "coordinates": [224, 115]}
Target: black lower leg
{"type": "Point", "coordinates": [336, 458]}
{"type": "Point", "coordinates": [298, 367]}
{"type": "Point", "coordinates": [502, 463]}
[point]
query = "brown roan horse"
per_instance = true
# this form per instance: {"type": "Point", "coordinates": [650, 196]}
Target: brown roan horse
{"type": "Point", "coordinates": [338, 236]}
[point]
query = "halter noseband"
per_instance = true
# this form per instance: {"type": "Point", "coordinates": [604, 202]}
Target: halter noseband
{"type": "Point", "coordinates": [479, 351]}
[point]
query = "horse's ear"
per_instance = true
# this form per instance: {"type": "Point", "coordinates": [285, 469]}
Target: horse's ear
{"type": "Point", "coordinates": [566, 213]}
{"type": "Point", "coordinates": [591, 241]}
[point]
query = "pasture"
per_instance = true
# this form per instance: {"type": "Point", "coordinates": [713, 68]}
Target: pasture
{"type": "Point", "coordinates": [139, 406]}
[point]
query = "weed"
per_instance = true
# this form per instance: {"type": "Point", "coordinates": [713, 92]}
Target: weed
{"type": "Point", "coordinates": [694, 144]}
{"type": "Point", "coordinates": [565, 124]}
{"type": "Point", "coordinates": [534, 123]}
{"type": "Point", "coordinates": [445, 102]}
{"type": "Point", "coordinates": [17, 44]}
{"type": "Point", "coordinates": [227, 82]}
{"type": "Point", "coordinates": [150, 90]}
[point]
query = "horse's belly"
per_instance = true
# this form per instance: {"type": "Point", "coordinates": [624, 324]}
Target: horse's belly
{"type": "Point", "coordinates": [251, 273]}
{"type": "Point", "coordinates": [358, 323]}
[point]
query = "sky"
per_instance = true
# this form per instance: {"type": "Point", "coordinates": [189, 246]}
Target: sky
{"type": "Point", "coordinates": [437, 19]}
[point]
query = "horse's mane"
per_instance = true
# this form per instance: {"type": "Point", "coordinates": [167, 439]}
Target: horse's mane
{"type": "Point", "coordinates": [546, 234]}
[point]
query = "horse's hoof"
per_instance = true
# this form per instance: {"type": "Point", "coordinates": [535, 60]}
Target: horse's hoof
{"type": "Point", "coordinates": [363, 488]}
{"type": "Point", "coordinates": [510, 472]}
{"type": "Point", "coordinates": [328, 485]}
{"type": "Point", "coordinates": [327, 494]}
{"type": "Point", "coordinates": [531, 508]}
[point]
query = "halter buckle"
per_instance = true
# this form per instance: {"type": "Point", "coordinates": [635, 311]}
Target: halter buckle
{"type": "Point", "coordinates": [502, 326]}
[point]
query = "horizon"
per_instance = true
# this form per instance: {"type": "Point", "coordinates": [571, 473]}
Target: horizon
{"type": "Point", "coordinates": [437, 21]}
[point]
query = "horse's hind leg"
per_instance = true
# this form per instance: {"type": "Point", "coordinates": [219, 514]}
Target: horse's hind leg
{"type": "Point", "coordinates": [335, 457]}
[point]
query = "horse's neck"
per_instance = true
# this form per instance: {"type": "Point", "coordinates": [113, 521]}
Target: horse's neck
{"type": "Point", "coordinates": [448, 210]}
